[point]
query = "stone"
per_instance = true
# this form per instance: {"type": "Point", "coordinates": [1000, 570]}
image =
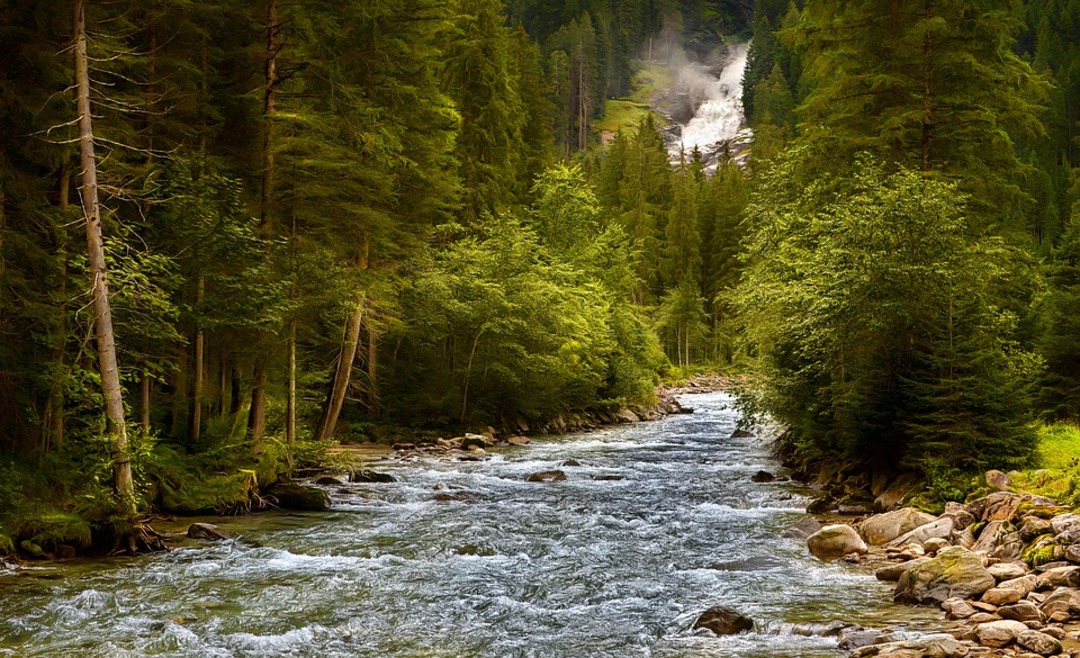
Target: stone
{"type": "Point", "coordinates": [1064, 601]}
{"type": "Point", "coordinates": [723, 620]}
{"type": "Point", "coordinates": [960, 514]}
{"type": "Point", "coordinates": [1064, 522]}
{"type": "Point", "coordinates": [999, 633]}
{"type": "Point", "coordinates": [403, 446]}
{"type": "Point", "coordinates": [822, 505]}
{"type": "Point", "coordinates": [626, 416]}
{"type": "Point", "coordinates": [289, 495]}
{"type": "Point", "coordinates": [365, 475]}
{"type": "Point", "coordinates": [742, 434]}
{"type": "Point", "coordinates": [1072, 553]}
{"type": "Point", "coordinates": [518, 440]}
{"type": "Point", "coordinates": [937, 646]}
{"type": "Point", "coordinates": [1022, 611]}
{"type": "Point", "coordinates": [547, 476]}
{"type": "Point", "coordinates": [207, 531]}
{"type": "Point", "coordinates": [65, 552]}
{"type": "Point", "coordinates": [982, 618]}
{"type": "Point", "coordinates": [1040, 643]}
{"type": "Point", "coordinates": [998, 480]}
{"type": "Point", "coordinates": [954, 572]}
{"type": "Point", "coordinates": [803, 529]}
{"type": "Point", "coordinates": [571, 463]}
{"type": "Point", "coordinates": [1001, 596]}
{"type": "Point", "coordinates": [998, 506]}
{"type": "Point", "coordinates": [327, 481]}
{"type": "Point", "coordinates": [763, 476]}
{"type": "Point", "coordinates": [999, 539]}
{"type": "Point", "coordinates": [900, 488]}
{"type": "Point", "coordinates": [883, 528]}
{"type": "Point", "coordinates": [857, 637]}
{"type": "Point", "coordinates": [1007, 570]}
{"type": "Point", "coordinates": [942, 527]}
{"type": "Point", "coordinates": [475, 440]}
{"type": "Point", "coordinates": [957, 608]}
{"type": "Point", "coordinates": [935, 544]}
{"type": "Point", "coordinates": [1059, 577]}
{"type": "Point", "coordinates": [607, 477]}
{"type": "Point", "coordinates": [1025, 584]}
{"type": "Point", "coordinates": [835, 541]}
{"type": "Point", "coordinates": [893, 572]}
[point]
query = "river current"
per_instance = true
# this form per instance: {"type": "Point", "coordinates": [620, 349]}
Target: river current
{"type": "Point", "coordinates": [659, 522]}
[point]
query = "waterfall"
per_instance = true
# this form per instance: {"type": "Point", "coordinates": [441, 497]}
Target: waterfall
{"type": "Point", "coordinates": [718, 121]}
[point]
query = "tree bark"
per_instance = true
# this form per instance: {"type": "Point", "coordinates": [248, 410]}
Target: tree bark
{"type": "Point", "coordinates": [372, 370]}
{"type": "Point", "coordinates": [123, 484]}
{"type": "Point", "coordinates": [290, 407]}
{"type": "Point", "coordinates": [342, 374]}
{"type": "Point", "coordinates": [200, 366]}
{"type": "Point", "coordinates": [257, 413]}
{"type": "Point", "coordinates": [144, 400]}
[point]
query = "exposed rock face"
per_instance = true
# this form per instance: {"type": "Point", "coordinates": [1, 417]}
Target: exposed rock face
{"type": "Point", "coordinates": [298, 497]}
{"type": "Point", "coordinates": [883, 528]}
{"type": "Point", "coordinates": [723, 620]}
{"type": "Point", "coordinates": [835, 541]}
{"type": "Point", "coordinates": [896, 492]}
{"type": "Point", "coordinates": [207, 531]}
{"type": "Point", "coordinates": [955, 572]}
{"type": "Point", "coordinates": [547, 476]}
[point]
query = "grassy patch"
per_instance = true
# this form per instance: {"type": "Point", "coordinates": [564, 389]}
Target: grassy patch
{"type": "Point", "coordinates": [622, 115]}
{"type": "Point", "coordinates": [1059, 446]}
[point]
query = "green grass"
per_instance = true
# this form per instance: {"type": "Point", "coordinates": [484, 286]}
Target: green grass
{"type": "Point", "coordinates": [1059, 445]}
{"type": "Point", "coordinates": [622, 115]}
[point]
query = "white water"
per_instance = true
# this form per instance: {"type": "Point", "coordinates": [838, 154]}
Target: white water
{"type": "Point", "coordinates": [584, 568]}
{"type": "Point", "coordinates": [719, 120]}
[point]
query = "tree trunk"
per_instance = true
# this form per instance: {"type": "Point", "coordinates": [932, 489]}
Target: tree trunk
{"type": "Point", "coordinates": [236, 396]}
{"type": "Point", "coordinates": [373, 371]}
{"type": "Point", "coordinates": [334, 404]}
{"type": "Point", "coordinates": [144, 400]}
{"type": "Point", "coordinates": [257, 413]}
{"type": "Point", "coordinates": [200, 366]}
{"type": "Point", "coordinates": [290, 408]}
{"type": "Point", "coordinates": [123, 484]}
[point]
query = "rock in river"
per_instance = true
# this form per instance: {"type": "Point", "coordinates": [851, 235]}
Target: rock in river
{"type": "Point", "coordinates": [723, 620]}
{"type": "Point", "coordinates": [547, 476]}
{"type": "Point", "coordinates": [884, 528]}
{"type": "Point", "coordinates": [206, 531]}
{"type": "Point", "coordinates": [835, 541]}
{"type": "Point", "coordinates": [370, 476]}
{"type": "Point", "coordinates": [298, 497]}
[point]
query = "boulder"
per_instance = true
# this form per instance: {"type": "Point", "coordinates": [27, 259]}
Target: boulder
{"type": "Point", "coordinates": [1072, 553]}
{"type": "Point", "coordinates": [960, 514]}
{"type": "Point", "coordinates": [998, 506]}
{"type": "Point", "coordinates": [207, 531]}
{"type": "Point", "coordinates": [475, 440]}
{"type": "Point", "coordinates": [942, 527]}
{"type": "Point", "coordinates": [883, 528]}
{"type": "Point", "coordinates": [365, 475]}
{"type": "Point", "coordinates": [1059, 577]}
{"type": "Point", "coordinates": [1040, 643]}
{"type": "Point", "coordinates": [957, 608]}
{"type": "Point", "coordinates": [954, 572]}
{"type": "Point", "coordinates": [65, 552]}
{"type": "Point", "coordinates": [803, 528]}
{"type": "Point", "coordinates": [1007, 570]}
{"type": "Point", "coordinates": [742, 434]}
{"type": "Point", "coordinates": [893, 572]}
{"type": "Point", "coordinates": [570, 463]}
{"type": "Point", "coordinates": [935, 544]}
{"type": "Point", "coordinates": [1032, 526]}
{"type": "Point", "coordinates": [289, 495]}
{"type": "Point", "coordinates": [1001, 596]}
{"type": "Point", "coordinates": [999, 539]}
{"type": "Point", "coordinates": [763, 476]}
{"type": "Point", "coordinates": [518, 440]}
{"type": "Point", "coordinates": [822, 505]}
{"type": "Point", "coordinates": [326, 480]}
{"type": "Point", "coordinates": [937, 646]}
{"type": "Point", "coordinates": [1064, 522]}
{"type": "Point", "coordinates": [901, 487]}
{"type": "Point", "coordinates": [999, 633]}
{"type": "Point", "coordinates": [1063, 602]}
{"type": "Point", "coordinates": [998, 480]}
{"type": "Point", "coordinates": [547, 476]}
{"type": "Point", "coordinates": [835, 541]}
{"type": "Point", "coordinates": [723, 620]}
{"type": "Point", "coordinates": [626, 416]}
{"type": "Point", "coordinates": [1023, 611]}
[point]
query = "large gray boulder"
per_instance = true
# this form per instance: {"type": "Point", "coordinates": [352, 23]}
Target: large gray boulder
{"type": "Point", "coordinates": [835, 541]}
{"type": "Point", "coordinates": [723, 620]}
{"type": "Point", "coordinates": [940, 528]}
{"type": "Point", "coordinates": [954, 572]}
{"type": "Point", "coordinates": [883, 528]}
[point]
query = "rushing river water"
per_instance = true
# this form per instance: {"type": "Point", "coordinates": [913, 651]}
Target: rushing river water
{"type": "Point", "coordinates": [583, 568]}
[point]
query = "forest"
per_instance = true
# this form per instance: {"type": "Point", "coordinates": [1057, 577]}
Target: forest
{"type": "Point", "coordinates": [232, 233]}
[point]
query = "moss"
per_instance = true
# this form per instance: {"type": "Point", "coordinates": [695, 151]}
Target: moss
{"type": "Point", "coordinates": [210, 494]}
{"type": "Point", "coordinates": [49, 527]}
{"type": "Point", "coordinates": [7, 548]}
{"type": "Point", "coordinates": [1041, 551]}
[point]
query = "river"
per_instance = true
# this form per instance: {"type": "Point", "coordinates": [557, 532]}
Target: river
{"type": "Point", "coordinates": [583, 568]}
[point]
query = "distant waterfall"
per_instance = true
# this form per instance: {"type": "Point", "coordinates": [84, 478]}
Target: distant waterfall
{"type": "Point", "coordinates": [718, 121]}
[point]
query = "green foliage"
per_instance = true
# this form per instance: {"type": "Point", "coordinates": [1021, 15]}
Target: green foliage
{"type": "Point", "coordinates": [1059, 446]}
{"type": "Point", "coordinates": [882, 330]}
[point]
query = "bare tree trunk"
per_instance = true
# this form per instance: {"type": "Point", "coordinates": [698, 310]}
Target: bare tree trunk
{"type": "Point", "coordinates": [257, 413]}
{"type": "Point", "coordinates": [342, 374]}
{"type": "Point", "coordinates": [200, 366]}
{"type": "Point", "coordinates": [290, 409]}
{"type": "Point", "coordinates": [53, 421]}
{"type": "Point", "coordinates": [235, 394]}
{"type": "Point", "coordinates": [373, 371]}
{"type": "Point", "coordinates": [103, 328]}
{"type": "Point", "coordinates": [144, 400]}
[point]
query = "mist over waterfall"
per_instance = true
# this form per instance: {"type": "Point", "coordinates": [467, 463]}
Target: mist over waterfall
{"type": "Point", "coordinates": [711, 117]}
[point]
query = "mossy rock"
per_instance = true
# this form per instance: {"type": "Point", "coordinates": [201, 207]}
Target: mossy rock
{"type": "Point", "coordinates": [1042, 551]}
{"type": "Point", "coordinates": [298, 497]}
{"type": "Point", "coordinates": [212, 494]}
{"type": "Point", "coordinates": [32, 550]}
{"type": "Point", "coordinates": [7, 547]}
{"type": "Point", "coordinates": [51, 527]}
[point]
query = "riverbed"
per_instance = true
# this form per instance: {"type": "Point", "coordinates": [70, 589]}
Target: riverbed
{"type": "Point", "coordinates": [658, 522]}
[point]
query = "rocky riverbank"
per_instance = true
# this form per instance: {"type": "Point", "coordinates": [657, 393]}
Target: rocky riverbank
{"type": "Point", "coordinates": [1004, 568]}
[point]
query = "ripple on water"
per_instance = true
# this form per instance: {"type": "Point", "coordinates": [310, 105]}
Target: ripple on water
{"type": "Point", "coordinates": [581, 568]}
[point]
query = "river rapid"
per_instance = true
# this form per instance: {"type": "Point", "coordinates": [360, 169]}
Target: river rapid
{"type": "Point", "coordinates": [592, 566]}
